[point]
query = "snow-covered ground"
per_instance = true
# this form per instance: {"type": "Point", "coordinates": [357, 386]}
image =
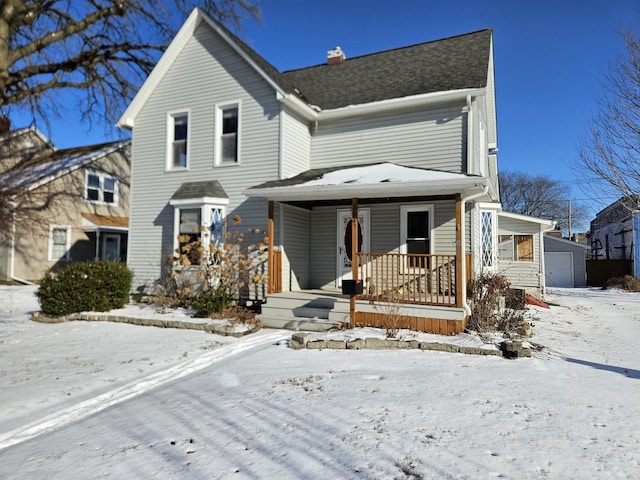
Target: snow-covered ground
{"type": "Point", "coordinates": [94, 400]}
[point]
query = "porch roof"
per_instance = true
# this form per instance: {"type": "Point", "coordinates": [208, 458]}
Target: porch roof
{"type": "Point", "coordinates": [92, 222]}
{"type": "Point", "coordinates": [367, 181]}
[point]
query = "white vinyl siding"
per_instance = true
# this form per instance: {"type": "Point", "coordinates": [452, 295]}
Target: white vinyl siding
{"type": "Point", "coordinates": [524, 274]}
{"type": "Point", "coordinates": [198, 81]}
{"type": "Point", "coordinates": [435, 138]}
{"type": "Point", "coordinates": [296, 145]}
{"type": "Point", "coordinates": [384, 234]}
{"type": "Point", "coordinates": [295, 257]}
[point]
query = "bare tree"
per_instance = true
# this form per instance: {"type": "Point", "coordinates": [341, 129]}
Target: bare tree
{"type": "Point", "coordinates": [609, 153]}
{"type": "Point", "coordinates": [541, 196]}
{"type": "Point", "coordinates": [99, 49]}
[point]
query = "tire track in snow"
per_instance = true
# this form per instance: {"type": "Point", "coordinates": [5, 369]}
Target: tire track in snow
{"type": "Point", "coordinates": [133, 389]}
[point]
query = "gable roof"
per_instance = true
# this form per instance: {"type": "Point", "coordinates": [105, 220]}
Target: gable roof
{"type": "Point", "coordinates": [453, 63]}
{"type": "Point", "coordinates": [457, 63]}
{"type": "Point", "coordinates": [50, 166]}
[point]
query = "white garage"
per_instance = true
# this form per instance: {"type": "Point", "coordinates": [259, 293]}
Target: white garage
{"type": "Point", "coordinates": [558, 269]}
{"type": "Point", "coordinates": [564, 262]}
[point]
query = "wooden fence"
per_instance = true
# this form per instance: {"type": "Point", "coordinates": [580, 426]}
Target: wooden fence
{"type": "Point", "coordinates": [599, 271]}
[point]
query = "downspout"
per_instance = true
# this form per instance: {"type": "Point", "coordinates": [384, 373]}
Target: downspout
{"type": "Point", "coordinates": [463, 290]}
{"type": "Point", "coordinates": [470, 136]}
{"type": "Point", "coordinates": [13, 253]}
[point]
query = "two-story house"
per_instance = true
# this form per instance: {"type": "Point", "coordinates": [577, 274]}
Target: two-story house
{"type": "Point", "coordinates": [615, 232]}
{"type": "Point", "coordinates": [69, 204]}
{"type": "Point", "coordinates": [380, 168]}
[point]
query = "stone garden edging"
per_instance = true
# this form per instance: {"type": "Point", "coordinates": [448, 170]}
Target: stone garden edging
{"type": "Point", "coordinates": [226, 330]}
{"type": "Point", "coordinates": [302, 340]}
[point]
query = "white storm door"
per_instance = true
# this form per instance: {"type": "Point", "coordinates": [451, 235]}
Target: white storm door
{"type": "Point", "coordinates": [344, 241]}
{"type": "Point", "coordinates": [111, 247]}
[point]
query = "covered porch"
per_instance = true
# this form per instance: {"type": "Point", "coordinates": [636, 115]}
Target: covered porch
{"type": "Point", "coordinates": [383, 268]}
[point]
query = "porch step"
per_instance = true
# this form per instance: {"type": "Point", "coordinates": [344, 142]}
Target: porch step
{"type": "Point", "coordinates": [307, 311]}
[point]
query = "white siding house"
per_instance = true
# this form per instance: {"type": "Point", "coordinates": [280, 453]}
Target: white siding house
{"type": "Point", "coordinates": [335, 163]}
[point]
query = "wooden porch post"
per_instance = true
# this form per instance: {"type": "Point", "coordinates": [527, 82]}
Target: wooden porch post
{"type": "Point", "coordinates": [459, 251]}
{"type": "Point", "coordinates": [354, 259]}
{"type": "Point", "coordinates": [270, 234]}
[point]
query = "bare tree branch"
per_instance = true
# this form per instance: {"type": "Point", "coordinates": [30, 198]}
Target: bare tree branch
{"type": "Point", "coordinates": [542, 197]}
{"type": "Point", "coordinates": [609, 153]}
{"type": "Point", "coordinates": [100, 49]}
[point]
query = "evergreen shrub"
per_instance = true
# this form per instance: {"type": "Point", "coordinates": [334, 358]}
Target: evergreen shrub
{"type": "Point", "coordinates": [95, 285]}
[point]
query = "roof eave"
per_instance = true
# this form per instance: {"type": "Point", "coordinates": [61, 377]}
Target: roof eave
{"type": "Point", "coordinates": [317, 114]}
{"type": "Point", "coordinates": [380, 190]}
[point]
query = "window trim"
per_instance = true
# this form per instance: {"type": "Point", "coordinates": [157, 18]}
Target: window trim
{"type": "Point", "coordinates": [219, 110]}
{"type": "Point", "coordinates": [514, 248]}
{"type": "Point", "coordinates": [101, 188]}
{"type": "Point", "coordinates": [205, 209]}
{"type": "Point", "coordinates": [494, 239]}
{"type": "Point", "coordinates": [404, 209]}
{"type": "Point", "coordinates": [169, 161]}
{"type": "Point", "coordinates": [67, 229]}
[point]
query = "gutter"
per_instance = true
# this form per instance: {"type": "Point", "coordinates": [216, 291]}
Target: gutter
{"type": "Point", "coordinates": [463, 263]}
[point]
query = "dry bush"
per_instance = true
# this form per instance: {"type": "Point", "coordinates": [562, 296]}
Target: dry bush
{"type": "Point", "coordinates": [628, 283]}
{"type": "Point", "coordinates": [488, 312]}
{"type": "Point", "coordinates": [237, 267]}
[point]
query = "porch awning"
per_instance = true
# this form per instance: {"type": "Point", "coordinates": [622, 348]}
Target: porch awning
{"type": "Point", "coordinates": [368, 181]}
{"type": "Point", "coordinates": [92, 223]}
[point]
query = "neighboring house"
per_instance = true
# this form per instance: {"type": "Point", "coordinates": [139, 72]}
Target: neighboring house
{"type": "Point", "coordinates": [521, 255]}
{"type": "Point", "coordinates": [565, 262]}
{"type": "Point", "coordinates": [615, 232]}
{"type": "Point", "coordinates": [72, 204]}
{"type": "Point", "coordinates": [387, 158]}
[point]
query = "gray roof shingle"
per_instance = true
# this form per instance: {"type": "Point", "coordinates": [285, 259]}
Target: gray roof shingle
{"type": "Point", "coordinates": [451, 63]}
{"type": "Point", "coordinates": [441, 65]}
{"type": "Point", "coordinates": [193, 190]}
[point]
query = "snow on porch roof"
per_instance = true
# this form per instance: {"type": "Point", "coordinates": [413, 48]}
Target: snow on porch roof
{"type": "Point", "coordinates": [370, 181]}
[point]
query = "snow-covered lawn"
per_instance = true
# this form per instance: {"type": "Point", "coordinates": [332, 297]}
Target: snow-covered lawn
{"type": "Point", "coordinates": [94, 400]}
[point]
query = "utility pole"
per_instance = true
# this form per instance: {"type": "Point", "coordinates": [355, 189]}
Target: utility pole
{"type": "Point", "coordinates": [569, 219]}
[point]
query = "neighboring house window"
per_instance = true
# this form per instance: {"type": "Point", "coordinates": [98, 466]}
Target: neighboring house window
{"type": "Point", "coordinates": [416, 223]}
{"type": "Point", "coordinates": [59, 242]}
{"type": "Point", "coordinates": [516, 248]}
{"type": "Point", "coordinates": [178, 133]}
{"type": "Point", "coordinates": [228, 134]}
{"type": "Point", "coordinates": [101, 188]}
{"type": "Point", "coordinates": [488, 255]}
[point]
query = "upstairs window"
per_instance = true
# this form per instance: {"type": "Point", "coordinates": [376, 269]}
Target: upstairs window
{"type": "Point", "coordinates": [178, 135]}
{"type": "Point", "coordinates": [228, 130]}
{"type": "Point", "coordinates": [101, 188]}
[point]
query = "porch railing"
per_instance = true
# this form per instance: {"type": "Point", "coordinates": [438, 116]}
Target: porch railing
{"type": "Point", "coordinates": [408, 278]}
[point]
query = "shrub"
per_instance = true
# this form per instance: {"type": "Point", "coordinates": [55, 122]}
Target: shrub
{"type": "Point", "coordinates": [488, 311]}
{"type": "Point", "coordinates": [628, 283]}
{"type": "Point", "coordinates": [212, 301]}
{"type": "Point", "coordinates": [85, 286]}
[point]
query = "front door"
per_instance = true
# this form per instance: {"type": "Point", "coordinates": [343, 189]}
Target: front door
{"type": "Point", "coordinates": [344, 241]}
{"type": "Point", "coordinates": [111, 247]}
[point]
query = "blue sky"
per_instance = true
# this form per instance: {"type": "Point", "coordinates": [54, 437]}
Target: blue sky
{"type": "Point", "coordinates": [550, 58]}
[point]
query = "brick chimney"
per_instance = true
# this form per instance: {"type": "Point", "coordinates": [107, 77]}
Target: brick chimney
{"type": "Point", "coordinates": [335, 56]}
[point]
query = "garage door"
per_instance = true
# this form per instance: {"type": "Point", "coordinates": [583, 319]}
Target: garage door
{"type": "Point", "coordinates": [558, 267]}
